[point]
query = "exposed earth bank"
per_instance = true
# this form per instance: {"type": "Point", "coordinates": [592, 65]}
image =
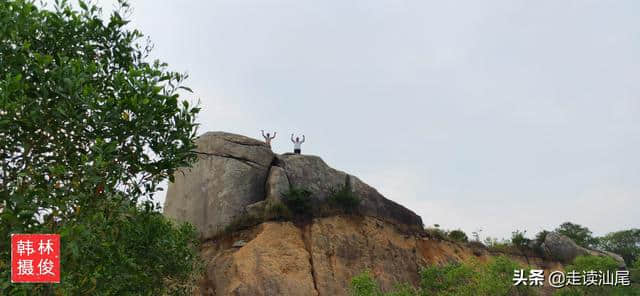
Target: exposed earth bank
{"type": "Point", "coordinates": [230, 193]}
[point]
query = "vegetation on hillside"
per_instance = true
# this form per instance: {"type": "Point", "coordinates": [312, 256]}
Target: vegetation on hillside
{"type": "Point", "coordinates": [467, 278]}
{"type": "Point", "coordinates": [598, 264]}
{"type": "Point", "coordinates": [625, 243]}
{"type": "Point", "coordinates": [489, 279]}
{"type": "Point", "coordinates": [299, 204]}
{"type": "Point", "coordinates": [298, 201]}
{"type": "Point", "coordinates": [344, 199]}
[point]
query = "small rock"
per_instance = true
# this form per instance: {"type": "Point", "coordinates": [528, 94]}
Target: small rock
{"type": "Point", "coordinates": [239, 244]}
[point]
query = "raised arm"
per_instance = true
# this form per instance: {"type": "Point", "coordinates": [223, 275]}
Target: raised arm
{"type": "Point", "coordinates": [302, 139]}
{"type": "Point", "coordinates": [274, 135]}
{"type": "Point", "coordinates": [292, 138]}
{"type": "Point", "coordinates": [263, 134]}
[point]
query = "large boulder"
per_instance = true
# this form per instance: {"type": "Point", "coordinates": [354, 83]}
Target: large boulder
{"type": "Point", "coordinates": [277, 184]}
{"type": "Point", "coordinates": [237, 178]}
{"type": "Point", "coordinates": [559, 247]}
{"type": "Point", "coordinates": [229, 175]}
{"type": "Point", "coordinates": [312, 173]}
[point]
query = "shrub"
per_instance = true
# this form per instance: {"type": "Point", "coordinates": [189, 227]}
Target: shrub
{"type": "Point", "coordinates": [493, 244]}
{"type": "Point", "coordinates": [436, 233]}
{"type": "Point", "coordinates": [277, 211]}
{"type": "Point", "coordinates": [152, 246]}
{"type": "Point", "coordinates": [519, 240]}
{"type": "Point", "coordinates": [298, 201]}
{"type": "Point", "coordinates": [635, 275]}
{"type": "Point", "coordinates": [403, 290]}
{"type": "Point", "coordinates": [540, 237]}
{"type": "Point", "coordinates": [344, 199]}
{"type": "Point", "coordinates": [436, 279]}
{"type": "Point", "coordinates": [596, 263]}
{"type": "Point", "coordinates": [496, 278]}
{"type": "Point", "coordinates": [473, 278]}
{"type": "Point", "coordinates": [635, 272]}
{"type": "Point", "coordinates": [458, 235]}
{"type": "Point", "coordinates": [364, 285]}
{"type": "Point", "coordinates": [469, 278]}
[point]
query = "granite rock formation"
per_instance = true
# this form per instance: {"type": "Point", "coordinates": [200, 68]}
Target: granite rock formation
{"type": "Point", "coordinates": [237, 176]}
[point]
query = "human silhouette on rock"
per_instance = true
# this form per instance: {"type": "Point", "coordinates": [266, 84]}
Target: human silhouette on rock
{"type": "Point", "coordinates": [297, 144]}
{"type": "Point", "coordinates": [268, 138]}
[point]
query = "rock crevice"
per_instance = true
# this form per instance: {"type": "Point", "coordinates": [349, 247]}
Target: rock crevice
{"type": "Point", "coordinates": [307, 241]}
{"type": "Point", "coordinates": [245, 175]}
{"type": "Point", "coordinates": [245, 160]}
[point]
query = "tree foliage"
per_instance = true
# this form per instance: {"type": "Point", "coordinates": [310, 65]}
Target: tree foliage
{"type": "Point", "coordinates": [458, 235]}
{"type": "Point", "coordinates": [579, 234]}
{"type": "Point", "coordinates": [625, 243]}
{"type": "Point", "coordinates": [88, 129]}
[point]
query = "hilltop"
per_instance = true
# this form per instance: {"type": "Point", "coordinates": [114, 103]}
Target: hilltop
{"type": "Point", "coordinates": [289, 224]}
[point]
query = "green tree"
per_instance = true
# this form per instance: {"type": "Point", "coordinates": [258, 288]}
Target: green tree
{"type": "Point", "coordinates": [625, 243]}
{"type": "Point", "coordinates": [88, 130]}
{"type": "Point", "coordinates": [521, 242]}
{"type": "Point", "coordinates": [458, 235]}
{"type": "Point", "coordinates": [579, 234]}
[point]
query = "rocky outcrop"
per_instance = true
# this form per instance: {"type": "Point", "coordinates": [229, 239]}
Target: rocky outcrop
{"type": "Point", "coordinates": [312, 173]}
{"type": "Point", "coordinates": [229, 175]}
{"type": "Point", "coordinates": [277, 184]}
{"type": "Point", "coordinates": [559, 247]}
{"type": "Point", "coordinates": [236, 176]}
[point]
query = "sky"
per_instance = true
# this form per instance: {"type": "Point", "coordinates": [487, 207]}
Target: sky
{"type": "Point", "coordinates": [489, 116]}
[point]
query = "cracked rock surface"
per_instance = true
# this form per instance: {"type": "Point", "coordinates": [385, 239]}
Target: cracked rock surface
{"type": "Point", "coordinates": [229, 175]}
{"type": "Point", "coordinates": [236, 177]}
{"type": "Point", "coordinates": [235, 173]}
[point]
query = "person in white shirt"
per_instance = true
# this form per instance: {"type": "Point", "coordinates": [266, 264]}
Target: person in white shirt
{"type": "Point", "coordinates": [297, 144]}
{"type": "Point", "coordinates": [268, 138]}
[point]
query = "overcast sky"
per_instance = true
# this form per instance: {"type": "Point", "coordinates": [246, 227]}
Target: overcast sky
{"type": "Point", "coordinates": [492, 115]}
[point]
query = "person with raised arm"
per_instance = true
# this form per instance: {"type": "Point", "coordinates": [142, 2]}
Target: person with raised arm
{"type": "Point", "coordinates": [297, 144]}
{"type": "Point", "coordinates": [268, 138]}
